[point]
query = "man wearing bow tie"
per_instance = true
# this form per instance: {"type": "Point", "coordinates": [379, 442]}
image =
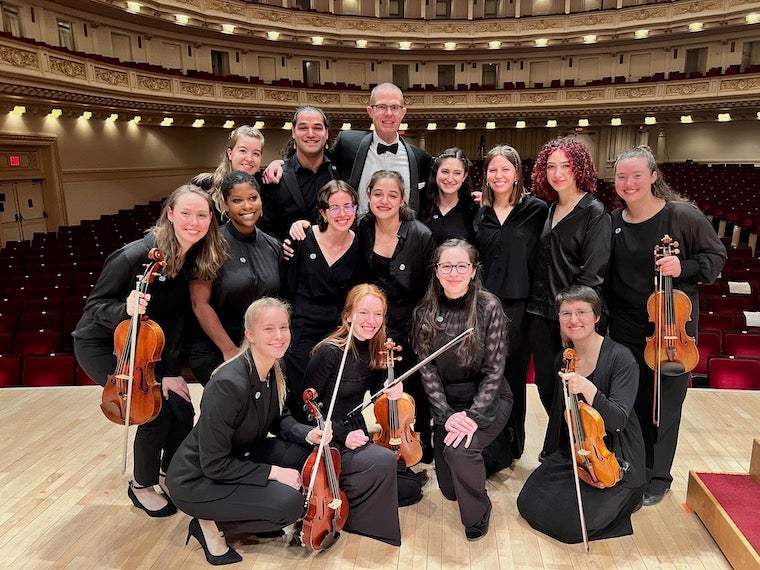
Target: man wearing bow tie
{"type": "Point", "coordinates": [358, 154]}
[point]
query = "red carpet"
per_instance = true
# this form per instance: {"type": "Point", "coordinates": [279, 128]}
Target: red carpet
{"type": "Point", "coordinates": [739, 496]}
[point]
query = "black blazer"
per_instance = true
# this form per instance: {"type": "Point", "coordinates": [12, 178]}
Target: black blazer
{"type": "Point", "coordinates": [349, 154]}
{"type": "Point", "coordinates": [233, 422]}
{"type": "Point", "coordinates": [283, 203]}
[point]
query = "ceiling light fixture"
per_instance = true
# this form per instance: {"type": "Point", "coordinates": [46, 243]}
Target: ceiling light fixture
{"type": "Point", "coordinates": [520, 125]}
{"type": "Point", "coordinates": [616, 121]}
{"type": "Point", "coordinates": [228, 124]}
{"type": "Point", "coordinates": [167, 122]}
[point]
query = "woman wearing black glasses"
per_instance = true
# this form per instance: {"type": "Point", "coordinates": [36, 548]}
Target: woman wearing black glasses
{"type": "Point", "coordinates": [316, 280]}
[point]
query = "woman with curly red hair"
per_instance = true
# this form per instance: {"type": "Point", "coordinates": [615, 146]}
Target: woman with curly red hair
{"type": "Point", "coordinates": [574, 247]}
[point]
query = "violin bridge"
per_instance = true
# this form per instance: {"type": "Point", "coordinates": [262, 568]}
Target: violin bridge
{"type": "Point", "coordinates": [335, 504]}
{"type": "Point", "coordinates": [394, 441]}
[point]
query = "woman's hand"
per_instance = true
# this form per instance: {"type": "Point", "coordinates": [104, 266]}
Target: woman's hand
{"type": "Point", "coordinates": [477, 196]}
{"type": "Point", "coordinates": [394, 392]}
{"type": "Point", "coordinates": [177, 385]}
{"type": "Point", "coordinates": [273, 172]}
{"type": "Point", "coordinates": [316, 435]}
{"type": "Point", "coordinates": [298, 230]}
{"type": "Point", "coordinates": [577, 384]}
{"type": "Point", "coordinates": [459, 427]}
{"type": "Point", "coordinates": [356, 438]}
{"type": "Point", "coordinates": [287, 250]}
{"type": "Point", "coordinates": [137, 301]}
{"type": "Point", "coordinates": [286, 476]}
{"type": "Point", "coordinates": [669, 266]}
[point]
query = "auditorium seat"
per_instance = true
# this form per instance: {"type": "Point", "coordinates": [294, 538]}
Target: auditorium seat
{"type": "Point", "coordinates": [82, 379]}
{"type": "Point", "coordinates": [717, 321]}
{"type": "Point", "coordinates": [709, 344]}
{"type": "Point", "coordinates": [8, 322]}
{"type": "Point", "coordinates": [48, 370]}
{"type": "Point", "coordinates": [731, 303]}
{"type": "Point", "coordinates": [39, 342]}
{"type": "Point", "coordinates": [734, 373]}
{"type": "Point", "coordinates": [10, 370]}
{"type": "Point", "coordinates": [6, 343]}
{"type": "Point", "coordinates": [741, 344]}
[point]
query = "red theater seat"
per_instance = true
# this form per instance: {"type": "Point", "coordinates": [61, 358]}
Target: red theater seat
{"type": "Point", "coordinates": [713, 321]}
{"type": "Point", "coordinates": [39, 342]}
{"type": "Point", "coordinates": [709, 344]}
{"type": "Point", "coordinates": [741, 344]}
{"type": "Point", "coordinates": [734, 373]}
{"type": "Point", "coordinates": [10, 370]}
{"type": "Point", "coordinates": [48, 370]}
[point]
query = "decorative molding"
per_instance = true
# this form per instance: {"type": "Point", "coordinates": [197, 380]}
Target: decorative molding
{"type": "Point", "coordinates": [362, 99]}
{"type": "Point", "coordinates": [111, 76]}
{"type": "Point", "coordinates": [643, 14]}
{"type": "Point", "coordinates": [540, 24]}
{"type": "Point", "coordinates": [317, 21]}
{"type": "Point", "coordinates": [271, 16]}
{"type": "Point", "coordinates": [239, 92]}
{"type": "Point", "coordinates": [688, 88]}
{"type": "Point", "coordinates": [448, 99]}
{"type": "Point", "coordinates": [405, 28]}
{"type": "Point", "coordinates": [585, 94]}
{"type": "Point", "coordinates": [153, 83]}
{"type": "Point", "coordinates": [449, 28]}
{"type": "Point", "coordinates": [19, 57]}
{"type": "Point", "coordinates": [635, 92]}
{"type": "Point", "coordinates": [67, 67]}
{"type": "Point", "coordinates": [226, 7]}
{"type": "Point", "coordinates": [196, 89]}
{"type": "Point", "coordinates": [493, 99]}
{"type": "Point", "coordinates": [196, 3]}
{"type": "Point", "coordinates": [590, 20]}
{"type": "Point", "coordinates": [281, 96]}
{"type": "Point", "coordinates": [739, 84]}
{"type": "Point", "coordinates": [495, 27]}
{"type": "Point", "coordinates": [361, 25]}
{"type": "Point", "coordinates": [409, 100]}
{"type": "Point", "coordinates": [323, 98]}
{"type": "Point", "coordinates": [695, 7]}
{"type": "Point", "coordinates": [538, 97]}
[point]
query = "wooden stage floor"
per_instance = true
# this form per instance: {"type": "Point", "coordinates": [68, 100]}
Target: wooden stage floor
{"type": "Point", "coordinates": [64, 501]}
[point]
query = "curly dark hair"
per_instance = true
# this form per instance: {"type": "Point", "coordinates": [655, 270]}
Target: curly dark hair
{"type": "Point", "coordinates": [583, 167]}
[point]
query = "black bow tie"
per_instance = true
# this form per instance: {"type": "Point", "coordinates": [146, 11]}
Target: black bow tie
{"type": "Point", "coordinates": [383, 148]}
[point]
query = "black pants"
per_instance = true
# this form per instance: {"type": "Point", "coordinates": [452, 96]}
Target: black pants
{"type": "Point", "coordinates": [461, 471]}
{"type": "Point", "coordinates": [516, 370]}
{"type": "Point", "coordinates": [660, 442]}
{"type": "Point", "coordinates": [545, 342]}
{"type": "Point", "coordinates": [155, 441]}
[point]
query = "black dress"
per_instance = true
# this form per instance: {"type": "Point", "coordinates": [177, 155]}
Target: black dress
{"type": "Point", "coordinates": [508, 260]}
{"type": "Point", "coordinates": [630, 283]}
{"type": "Point", "coordinates": [480, 389]}
{"type": "Point", "coordinates": [155, 441]}
{"type": "Point", "coordinates": [221, 470]}
{"type": "Point", "coordinates": [252, 271]}
{"type": "Point", "coordinates": [548, 499]}
{"type": "Point", "coordinates": [368, 473]}
{"type": "Point", "coordinates": [317, 292]}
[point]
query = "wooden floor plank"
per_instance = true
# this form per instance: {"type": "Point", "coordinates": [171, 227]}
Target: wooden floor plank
{"type": "Point", "coordinates": [65, 505]}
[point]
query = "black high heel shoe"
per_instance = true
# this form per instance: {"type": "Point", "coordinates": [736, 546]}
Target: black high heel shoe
{"type": "Point", "coordinates": [166, 511]}
{"type": "Point", "coordinates": [230, 557]}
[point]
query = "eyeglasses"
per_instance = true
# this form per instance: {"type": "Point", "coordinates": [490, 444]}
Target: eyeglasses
{"type": "Point", "coordinates": [350, 209]}
{"type": "Point", "coordinates": [450, 267]}
{"type": "Point", "coordinates": [380, 108]}
{"type": "Point", "coordinates": [580, 313]}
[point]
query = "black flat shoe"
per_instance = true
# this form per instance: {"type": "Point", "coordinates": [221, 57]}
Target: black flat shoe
{"type": "Point", "coordinates": [479, 529]}
{"type": "Point", "coordinates": [653, 498]}
{"type": "Point", "coordinates": [229, 557]}
{"type": "Point", "coordinates": [166, 511]}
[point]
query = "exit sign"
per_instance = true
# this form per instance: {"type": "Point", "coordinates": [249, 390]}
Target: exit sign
{"type": "Point", "coordinates": [14, 160]}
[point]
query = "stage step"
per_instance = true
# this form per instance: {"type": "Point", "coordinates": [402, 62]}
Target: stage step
{"type": "Point", "coordinates": [735, 545]}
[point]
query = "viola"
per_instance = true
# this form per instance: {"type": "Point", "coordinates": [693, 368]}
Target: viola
{"type": "Point", "coordinates": [131, 395]}
{"type": "Point", "coordinates": [670, 351]}
{"type": "Point", "coordinates": [396, 417]}
{"type": "Point", "coordinates": [326, 504]}
{"type": "Point", "coordinates": [595, 464]}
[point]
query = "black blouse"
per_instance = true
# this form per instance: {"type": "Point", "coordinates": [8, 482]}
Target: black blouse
{"type": "Point", "coordinates": [508, 250]}
{"type": "Point", "coordinates": [573, 252]}
{"type": "Point", "coordinates": [456, 223]}
{"type": "Point", "coordinates": [252, 271]}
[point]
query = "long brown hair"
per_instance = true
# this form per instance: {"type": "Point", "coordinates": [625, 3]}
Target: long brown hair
{"type": "Point", "coordinates": [513, 157]}
{"type": "Point", "coordinates": [339, 338]}
{"type": "Point", "coordinates": [660, 188]}
{"type": "Point", "coordinates": [210, 251]}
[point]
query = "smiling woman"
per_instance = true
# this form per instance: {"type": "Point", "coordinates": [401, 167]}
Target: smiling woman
{"type": "Point", "coordinates": [250, 272]}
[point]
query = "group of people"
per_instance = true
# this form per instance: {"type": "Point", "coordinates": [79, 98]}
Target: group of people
{"type": "Point", "coordinates": [375, 239]}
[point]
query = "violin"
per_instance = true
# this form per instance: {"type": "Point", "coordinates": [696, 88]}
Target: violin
{"type": "Point", "coordinates": [670, 351]}
{"type": "Point", "coordinates": [131, 394]}
{"type": "Point", "coordinates": [595, 464]}
{"type": "Point", "coordinates": [396, 418]}
{"type": "Point", "coordinates": [326, 504]}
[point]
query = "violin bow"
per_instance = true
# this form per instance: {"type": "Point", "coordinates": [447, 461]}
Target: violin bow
{"type": "Point", "coordinates": [657, 392]}
{"type": "Point", "coordinates": [456, 340]}
{"type": "Point", "coordinates": [133, 326]}
{"type": "Point", "coordinates": [582, 514]}
{"type": "Point", "coordinates": [328, 417]}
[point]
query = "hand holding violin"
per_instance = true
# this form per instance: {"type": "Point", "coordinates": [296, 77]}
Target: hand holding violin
{"type": "Point", "coordinates": [394, 392]}
{"type": "Point", "coordinates": [578, 384]}
{"type": "Point", "coordinates": [670, 266]}
{"type": "Point", "coordinates": [286, 476]}
{"type": "Point", "coordinates": [137, 301]}
{"type": "Point", "coordinates": [316, 435]}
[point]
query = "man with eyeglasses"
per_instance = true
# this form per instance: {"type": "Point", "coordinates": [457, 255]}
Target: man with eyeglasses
{"type": "Point", "coordinates": [358, 154]}
{"type": "Point", "coordinates": [294, 196]}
